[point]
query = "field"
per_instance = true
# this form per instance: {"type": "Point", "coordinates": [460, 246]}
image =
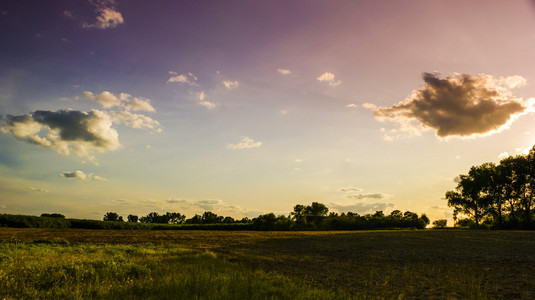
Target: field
{"type": "Point", "coordinates": [421, 264]}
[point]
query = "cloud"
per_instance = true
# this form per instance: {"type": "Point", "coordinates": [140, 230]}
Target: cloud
{"type": "Point", "coordinates": [352, 105]}
{"type": "Point", "coordinates": [68, 14]}
{"type": "Point", "coordinates": [80, 175]}
{"type": "Point", "coordinates": [361, 208]}
{"type": "Point", "coordinates": [107, 15]}
{"type": "Point", "coordinates": [367, 196]}
{"type": "Point", "coordinates": [137, 121]}
{"type": "Point", "coordinates": [328, 77]}
{"type": "Point", "coordinates": [230, 84]}
{"type": "Point", "coordinates": [217, 206]}
{"type": "Point", "coordinates": [109, 100]}
{"type": "Point", "coordinates": [458, 105]}
{"type": "Point", "coordinates": [106, 99]}
{"type": "Point", "coordinates": [137, 104]}
{"type": "Point", "coordinates": [351, 189]}
{"type": "Point", "coordinates": [503, 155]}
{"type": "Point", "coordinates": [244, 143]}
{"type": "Point", "coordinates": [284, 71]}
{"type": "Point", "coordinates": [188, 78]}
{"type": "Point", "coordinates": [66, 131]}
{"type": "Point", "coordinates": [82, 133]}
{"type": "Point", "coordinates": [207, 104]}
{"type": "Point", "coordinates": [41, 190]}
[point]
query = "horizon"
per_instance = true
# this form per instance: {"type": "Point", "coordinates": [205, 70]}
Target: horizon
{"type": "Point", "coordinates": [245, 108]}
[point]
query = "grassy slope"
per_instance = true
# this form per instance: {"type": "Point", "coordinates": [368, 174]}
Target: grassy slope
{"type": "Point", "coordinates": [415, 264]}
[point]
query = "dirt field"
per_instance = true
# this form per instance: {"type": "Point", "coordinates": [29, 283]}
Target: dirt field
{"type": "Point", "coordinates": [442, 264]}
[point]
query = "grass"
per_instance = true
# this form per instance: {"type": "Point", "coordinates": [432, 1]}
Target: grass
{"type": "Point", "coordinates": [429, 264]}
{"type": "Point", "coordinates": [61, 271]}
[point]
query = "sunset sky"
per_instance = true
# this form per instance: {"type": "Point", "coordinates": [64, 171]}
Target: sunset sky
{"type": "Point", "coordinates": [247, 107]}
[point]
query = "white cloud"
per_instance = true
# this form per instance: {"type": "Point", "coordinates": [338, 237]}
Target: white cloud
{"type": "Point", "coordinates": [135, 103]}
{"type": "Point", "coordinates": [124, 100]}
{"type": "Point", "coordinates": [458, 105]}
{"type": "Point", "coordinates": [351, 189]}
{"type": "Point", "coordinates": [188, 78]}
{"type": "Point", "coordinates": [137, 121]}
{"type": "Point", "coordinates": [352, 105]}
{"type": "Point", "coordinates": [106, 99]}
{"type": "Point", "coordinates": [245, 143]}
{"type": "Point", "coordinates": [207, 104]}
{"type": "Point", "coordinates": [80, 175]}
{"type": "Point", "coordinates": [79, 132]}
{"type": "Point", "coordinates": [66, 131]}
{"type": "Point", "coordinates": [230, 84]}
{"type": "Point", "coordinates": [284, 71]}
{"type": "Point", "coordinates": [367, 196]}
{"type": "Point", "coordinates": [328, 77]}
{"type": "Point", "coordinates": [503, 155]}
{"type": "Point", "coordinates": [106, 16]}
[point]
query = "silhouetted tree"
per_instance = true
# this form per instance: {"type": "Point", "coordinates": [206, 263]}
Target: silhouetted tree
{"type": "Point", "coordinates": [53, 215]}
{"type": "Point", "coordinates": [499, 195]}
{"type": "Point", "coordinates": [424, 219]}
{"type": "Point", "coordinates": [196, 219]}
{"type": "Point", "coordinates": [209, 217]}
{"type": "Point", "coordinates": [132, 218]}
{"type": "Point", "coordinates": [440, 223]}
{"type": "Point", "coordinates": [111, 216]}
{"type": "Point", "coordinates": [228, 220]}
{"type": "Point", "coordinates": [173, 218]}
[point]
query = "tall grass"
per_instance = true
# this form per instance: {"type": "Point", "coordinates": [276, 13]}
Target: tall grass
{"type": "Point", "coordinates": [63, 271]}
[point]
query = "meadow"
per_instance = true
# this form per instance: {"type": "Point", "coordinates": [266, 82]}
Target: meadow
{"type": "Point", "coordinates": [398, 264]}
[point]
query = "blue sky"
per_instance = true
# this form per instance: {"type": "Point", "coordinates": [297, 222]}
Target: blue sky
{"type": "Point", "coordinates": [248, 107]}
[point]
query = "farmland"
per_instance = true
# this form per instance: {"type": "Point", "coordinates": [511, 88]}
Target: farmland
{"type": "Point", "coordinates": [441, 264]}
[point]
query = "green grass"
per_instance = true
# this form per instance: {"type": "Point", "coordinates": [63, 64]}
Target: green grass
{"type": "Point", "coordinates": [62, 271]}
{"type": "Point", "coordinates": [408, 264]}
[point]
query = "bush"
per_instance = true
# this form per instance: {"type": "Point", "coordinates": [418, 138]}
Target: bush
{"type": "Point", "coordinates": [440, 223]}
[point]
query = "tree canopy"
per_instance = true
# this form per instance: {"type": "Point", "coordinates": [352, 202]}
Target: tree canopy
{"type": "Point", "coordinates": [496, 195]}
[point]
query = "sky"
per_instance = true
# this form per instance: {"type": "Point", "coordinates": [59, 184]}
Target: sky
{"type": "Point", "coordinates": [246, 107]}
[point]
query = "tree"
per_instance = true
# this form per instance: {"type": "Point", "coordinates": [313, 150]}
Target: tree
{"type": "Point", "coordinates": [132, 218]}
{"type": "Point", "coordinates": [316, 209]}
{"type": "Point", "coordinates": [196, 219]}
{"type": "Point", "coordinates": [440, 223]}
{"type": "Point", "coordinates": [111, 216]}
{"type": "Point", "coordinates": [228, 220]}
{"type": "Point", "coordinates": [53, 215]}
{"type": "Point", "coordinates": [152, 217]}
{"type": "Point", "coordinates": [424, 219]}
{"type": "Point", "coordinates": [209, 217]}
{"type": "Point", "coordinates": [299, 213]}
{"type": "Point", "coordinates": [469, 197]}
{"type": "Point", "coordinates": [173, 218]}
{"type": "Point", "coordinates": [397, 214]}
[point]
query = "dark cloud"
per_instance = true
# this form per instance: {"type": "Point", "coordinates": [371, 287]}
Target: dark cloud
{"type": "Point", "coordinates": [65, 131]}
{"type": "Point", "coordinates": [458, 105]}
{"type": "Point", "coordinates": [72, 125]}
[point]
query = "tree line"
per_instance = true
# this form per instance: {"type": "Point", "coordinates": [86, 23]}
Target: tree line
{"type": "Point", "coordinates": [496, 195]}
{"type": "Point", "coordinates": [304, 217]}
